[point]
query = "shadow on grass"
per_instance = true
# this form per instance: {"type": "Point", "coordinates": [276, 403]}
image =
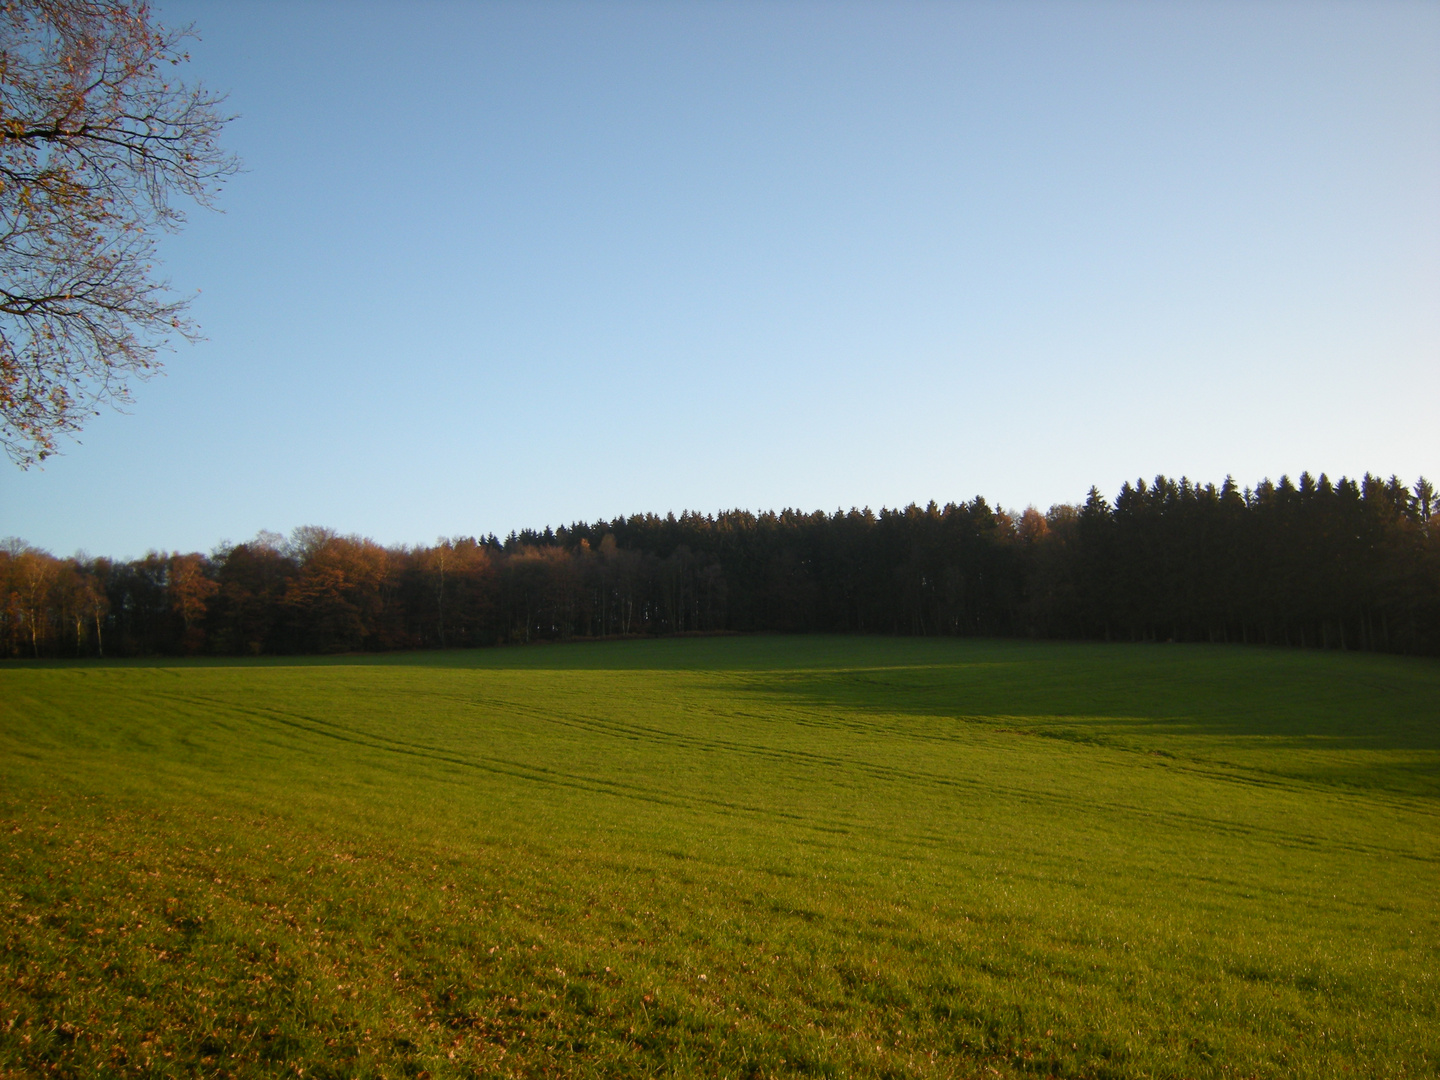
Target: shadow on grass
{"type": "Point", "coordinates": [1295, 713]}
{"type": "Point", "coordinates": [720, 652]}
{"type": "Point", "coordinates": [1351, 720]}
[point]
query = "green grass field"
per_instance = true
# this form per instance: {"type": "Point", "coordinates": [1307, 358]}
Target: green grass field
{"type": "Point", "coordinates": [724, 857]}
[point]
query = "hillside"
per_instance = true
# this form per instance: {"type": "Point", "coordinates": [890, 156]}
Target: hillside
{"type": "Point", "coordinates": [742, 856]}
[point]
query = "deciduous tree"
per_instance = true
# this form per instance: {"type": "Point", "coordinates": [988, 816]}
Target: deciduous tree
{"type": "Point", "coordinates": [99, 143]}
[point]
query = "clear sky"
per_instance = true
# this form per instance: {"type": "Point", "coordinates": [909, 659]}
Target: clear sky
{"type": "Point", "coordinates": [504, 265]}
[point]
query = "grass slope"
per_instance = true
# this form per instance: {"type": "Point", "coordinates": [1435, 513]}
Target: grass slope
{"type": "Point", "coordinates": [734, 857]}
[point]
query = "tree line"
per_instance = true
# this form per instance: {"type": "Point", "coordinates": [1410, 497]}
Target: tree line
{"type": "Point", "coordinates": [1353, 564]}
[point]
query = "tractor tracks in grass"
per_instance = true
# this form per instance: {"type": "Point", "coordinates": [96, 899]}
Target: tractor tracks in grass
{"type": "Point", "coordinates": [991, 786]}
{"type": "Point", "coordinates": [502, 766]}
{"type": "Point", "coordinates": [835, 767]}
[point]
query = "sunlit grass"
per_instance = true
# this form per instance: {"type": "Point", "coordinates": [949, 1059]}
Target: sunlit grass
{"type": "Point", "coordinates": [739, 856]}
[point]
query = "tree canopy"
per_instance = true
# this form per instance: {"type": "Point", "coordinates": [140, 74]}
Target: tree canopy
{"type": "Point", "coordinates": [1353, 564]}
{"type": "Point", "coordinates": [99, 146]}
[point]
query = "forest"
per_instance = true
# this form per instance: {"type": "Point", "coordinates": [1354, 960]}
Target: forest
{"type": "Point", "coordinates": [1352, 564]}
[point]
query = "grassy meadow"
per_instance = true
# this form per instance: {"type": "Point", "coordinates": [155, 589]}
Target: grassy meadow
{"type": "Point", "coordinates": [743, 857]}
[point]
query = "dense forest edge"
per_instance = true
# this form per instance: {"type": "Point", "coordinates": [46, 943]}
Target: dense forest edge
{"type": "Point", "coordinates": [1353, 564]}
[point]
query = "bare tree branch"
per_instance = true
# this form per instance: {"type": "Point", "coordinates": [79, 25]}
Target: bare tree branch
{"type": "Point", "coordinates": [96, 143]}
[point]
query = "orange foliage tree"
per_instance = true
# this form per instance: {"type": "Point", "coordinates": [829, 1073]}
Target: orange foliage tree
{"type": "Point", "coordinates": [96, 142]}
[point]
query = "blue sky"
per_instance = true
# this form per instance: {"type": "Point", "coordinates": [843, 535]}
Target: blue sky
{"type": "Point", "coordinates": [505, 265]}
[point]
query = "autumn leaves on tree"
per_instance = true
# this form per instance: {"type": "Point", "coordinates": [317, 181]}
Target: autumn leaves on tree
{"type": "Point", "coordinates": [99, 144]}
{"type": "Point", "coordinates": [1350, 564]}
